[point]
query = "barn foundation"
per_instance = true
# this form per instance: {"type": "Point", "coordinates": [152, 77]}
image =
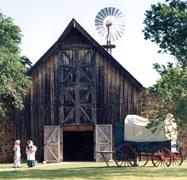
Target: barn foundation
{"type": "Point", "coordinates": [7, 138]}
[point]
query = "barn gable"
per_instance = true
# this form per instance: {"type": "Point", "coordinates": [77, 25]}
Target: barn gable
{"type": "Point", "coordinates": [74, 35]}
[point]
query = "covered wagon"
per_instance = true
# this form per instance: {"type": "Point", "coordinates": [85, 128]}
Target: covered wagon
{"type": "Point", "coordinates": [136, 144]}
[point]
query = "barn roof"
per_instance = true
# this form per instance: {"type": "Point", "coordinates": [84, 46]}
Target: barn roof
{"type": "Point", "coordinates": [74, 24]}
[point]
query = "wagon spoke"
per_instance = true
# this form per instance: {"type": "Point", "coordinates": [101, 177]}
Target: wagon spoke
{"type": "Point", "coordinates": [124, 156]}
{"type": "Point", "coordinates": [177, 158]}
{"type": "Point", "coordinates": [157, 163]}
{"type": "Point", "coordinates": [163, 163]}
{"type": "Point", "coordinates": [162, 157]}
{"type": "Point", "coordinates": [166, 163]}
{"type": "Point", "coordinates": [155, 159]}
{"type": "Point", "coordinates": [167, 157]}
{"type": "Point", "coordinates": [174, 162]}
{"type": "Point", "coordinates": [143, 159]}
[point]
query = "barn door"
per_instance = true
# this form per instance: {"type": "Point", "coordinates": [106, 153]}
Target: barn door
{"type": "Point", "coordinates": [52, 144]}
{"type": "Point", "coordinates": [77, 92]}
{"type": "Point", "coordinates": [103, 138]}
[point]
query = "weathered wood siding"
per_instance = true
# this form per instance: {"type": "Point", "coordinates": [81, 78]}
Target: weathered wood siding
{"type": "Point", "coordinates": [44, 100]}
{"type": "Point", "coordinates": [117, 94]}
{"type": "Point", "coordinates": [40, 105]}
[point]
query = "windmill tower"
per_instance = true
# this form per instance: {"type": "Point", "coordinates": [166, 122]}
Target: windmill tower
{"type": "Point", "coordinates": [109, 22]}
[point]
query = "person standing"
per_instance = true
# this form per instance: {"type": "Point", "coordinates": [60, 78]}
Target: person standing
{"type": "Point", "coordinates": [17, 154]}
{"type": "Point", "coordinates": [30, 152]}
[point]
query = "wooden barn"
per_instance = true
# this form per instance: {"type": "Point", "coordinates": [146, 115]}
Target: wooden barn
{"type": "Point", "coordinates": [78, 93]}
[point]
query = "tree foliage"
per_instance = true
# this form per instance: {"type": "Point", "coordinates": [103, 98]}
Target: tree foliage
{"type": "Point", "coordinates": [13, 80]}
{"type": "Point", "coordinates": [166, 25]}
{"type": "Point", "coordinates": [171, 92]}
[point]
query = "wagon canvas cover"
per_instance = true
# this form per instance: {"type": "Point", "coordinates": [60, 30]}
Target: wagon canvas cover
{"type": "Point", "coordinates": [135, 130]}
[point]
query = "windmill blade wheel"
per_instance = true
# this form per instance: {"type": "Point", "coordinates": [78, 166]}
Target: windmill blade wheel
{"type": "Point", "coordinates": [109, 22]}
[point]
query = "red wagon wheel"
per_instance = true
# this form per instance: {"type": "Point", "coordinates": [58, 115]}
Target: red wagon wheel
{"type": "Point", "coordinates": [124, 156]}
{"type": "Point", "coordinates": [177, 158]}
{"type": "Point", "coordinates": [162, 157]}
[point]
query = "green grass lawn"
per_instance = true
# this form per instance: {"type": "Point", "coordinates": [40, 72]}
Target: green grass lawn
{"type": "Point", "coordinates": [75, 171]}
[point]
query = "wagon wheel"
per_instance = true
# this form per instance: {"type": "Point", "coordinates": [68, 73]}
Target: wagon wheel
{"type": "Point", "coordinates": [177, 158]}
{"type": "Point", "coordinates": [124, 156]}
{"type": "Point", "coordinates": [142, 159]}
{"type": "Point", "coordinates": [162, 157]}
{"type": "Point", "coordinates": [121, 163]}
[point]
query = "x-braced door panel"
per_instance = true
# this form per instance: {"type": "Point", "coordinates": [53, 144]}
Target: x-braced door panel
{"type": "Point", "coordinates": [77, 86]}
{"type": "Point", "coordinates": [103, 139]}
{"type": "Point", "coordinates": [52, 144]}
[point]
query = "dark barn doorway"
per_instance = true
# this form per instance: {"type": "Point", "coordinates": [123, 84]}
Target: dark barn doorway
{"type": "Point", "coordinates": [78, 146]}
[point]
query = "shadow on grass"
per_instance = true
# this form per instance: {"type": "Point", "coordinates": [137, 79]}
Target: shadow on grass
{"type": "Point", "coordinates": [101, 173]}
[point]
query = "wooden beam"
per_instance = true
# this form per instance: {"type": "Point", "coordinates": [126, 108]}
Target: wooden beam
{"type": "Point", "coordinates": [78, 128]}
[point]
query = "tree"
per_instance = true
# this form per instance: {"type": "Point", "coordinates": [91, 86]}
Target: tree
{"type": "Point", "coordinates": [166, 25]}
{"type": "Point", "coordinates": [14, 83]}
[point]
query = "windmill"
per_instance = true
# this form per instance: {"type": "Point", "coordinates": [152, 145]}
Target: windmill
{"type": "Point", "coordinates": [109, 22]}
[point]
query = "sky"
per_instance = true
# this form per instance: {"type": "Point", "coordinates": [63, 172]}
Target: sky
{"type": "Point", "coordinates": [43, 21]}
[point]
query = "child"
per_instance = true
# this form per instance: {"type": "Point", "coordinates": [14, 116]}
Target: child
{"type": "Point", "coordinates": [17, 154]}
{"type": "Point", "coordinates": [30, 151]}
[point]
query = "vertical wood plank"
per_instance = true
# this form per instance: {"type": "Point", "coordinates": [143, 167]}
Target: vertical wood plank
{"type": "Point", "coordinates": [52, 89]}
{"type": "Point", "coordinates": [56, 108]}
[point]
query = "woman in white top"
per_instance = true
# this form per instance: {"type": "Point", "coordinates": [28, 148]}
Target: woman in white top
{"type": "Point", "coordinates": [17, 154]}
{"type": "Point", "coordinates": [30, 151]}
